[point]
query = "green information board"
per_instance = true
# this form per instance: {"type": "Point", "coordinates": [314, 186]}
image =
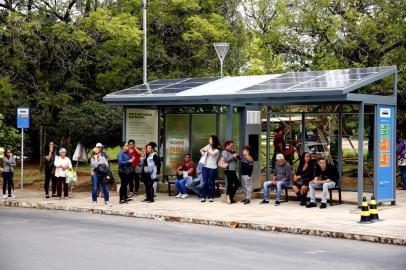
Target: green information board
{"type": "Point", "coordinates": [176, 141]}
{"type": "Point", "coordinates": [385, 131]}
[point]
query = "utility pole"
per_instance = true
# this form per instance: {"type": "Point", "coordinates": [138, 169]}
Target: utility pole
{"type": "Point", "coordinates": [144, 26]}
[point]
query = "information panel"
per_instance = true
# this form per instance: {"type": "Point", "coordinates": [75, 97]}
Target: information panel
{"type": "Point", "coordinates": [176, 141]}
{"type": "Point", "coordinates": [385, 176]}
{"type": "Point", "coordinates": [141, 126]}
{"type": "Point", "coordinates": [23, 117]}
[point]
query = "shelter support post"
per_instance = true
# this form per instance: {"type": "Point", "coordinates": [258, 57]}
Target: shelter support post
{"type": "Point", "coordinates": [303, 137]}
{"type": "Point", "coordinates": [229, 121]}
{"type": "Point", "coordinates": [340, 147]}
{"type": "Point", "coordinates": [123, 136]}
{"type": "Point", "coordinates": [268, 143]}
{"type": "Point", "coordinates": [243, 123]}
{"type": "Point", "coordinates": [360, 152]}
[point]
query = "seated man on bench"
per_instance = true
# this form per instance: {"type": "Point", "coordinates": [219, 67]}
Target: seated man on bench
{"type": "Point", "coordinates": [280, 179]}
{"type": "Point", "coordinates": [196, 184]}
{"type": "Point", "coordinates": [326, 178]}
{"type": "Point", "coordinates": [185, 171]}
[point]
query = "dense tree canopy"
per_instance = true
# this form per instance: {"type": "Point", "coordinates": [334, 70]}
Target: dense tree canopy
{"type": "Point", "coordinates": [54, 55]}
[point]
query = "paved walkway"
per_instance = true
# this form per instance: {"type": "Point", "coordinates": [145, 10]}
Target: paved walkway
{"type": "Point", "coordinates": [339, 221]}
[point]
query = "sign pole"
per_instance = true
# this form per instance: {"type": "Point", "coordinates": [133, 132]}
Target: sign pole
{"type": "Point", "coordinates": [22, 160]}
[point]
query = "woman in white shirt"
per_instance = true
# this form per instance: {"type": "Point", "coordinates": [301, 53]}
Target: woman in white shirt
{"type": "Point", "coordinates": [62, 164]}
{"type": "Point", "coordinates": [210, 154]}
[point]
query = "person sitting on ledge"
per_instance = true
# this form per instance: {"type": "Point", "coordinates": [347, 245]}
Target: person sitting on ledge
{"type": "Point", "coordinates": [326, 178]}
{"type": "Point", "coordinates": [280, 179]}
{"type": "Point", "coordinates": [185, 171]}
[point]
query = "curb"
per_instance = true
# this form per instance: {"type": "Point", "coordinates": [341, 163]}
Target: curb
{"type": "Point", "coordinates": [219, 223]}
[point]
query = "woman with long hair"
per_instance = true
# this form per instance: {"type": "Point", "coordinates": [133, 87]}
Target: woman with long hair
{"type": "Point", "coordinates": [96, 160]}
{"type": "Point", "coordinates": [151, 170]}
{"type": "Point", "coordinates": [230, 157]}
{"type": "Point", "coordinates": [210, 154]}
{"type": "Point", "coordinates": [9, 163]}
{"type": "Point", "coordinates": [304, 174]}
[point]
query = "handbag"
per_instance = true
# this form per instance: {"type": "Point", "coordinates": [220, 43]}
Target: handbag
{"type": "Point", "coordinates": [149, 169]}
{"type": "Point", "coordinates": [222, 164]}
{"type": "Point", "coordinates": [110, 178]}
{"type": "Point", "coordinates": [203, 159]}
{"type": "Point", "coordinates": [71, 176]}
{"type": "Point", "coordinates": [138, 169]}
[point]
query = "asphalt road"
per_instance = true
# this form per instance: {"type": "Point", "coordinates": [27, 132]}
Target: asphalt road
{"type": "Point", "coordinates": [40, 239]}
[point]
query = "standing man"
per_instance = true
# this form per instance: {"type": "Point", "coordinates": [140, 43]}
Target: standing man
{"type": "Point", "coordinates": [50, 155]}
{"type": "Point", "coordinates": [326, 178]}
{"type": "Point", "coordinates": [134, 181]}
{"type": "Point", "coordinates": [124, 171]}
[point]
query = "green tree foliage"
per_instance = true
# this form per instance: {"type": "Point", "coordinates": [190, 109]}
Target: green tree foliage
{"type": "Point", "coordinates": [91, 122]}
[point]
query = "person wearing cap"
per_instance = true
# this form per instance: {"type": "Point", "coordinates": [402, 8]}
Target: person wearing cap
{"type": "Point", "coordinates": [280, 179]}
{"type": "Point", "coordinates": [124, 171]}
{"type": "Point", "coordinates": [102, 152]}
{"type": "Point", "coordinates": [62, 164]}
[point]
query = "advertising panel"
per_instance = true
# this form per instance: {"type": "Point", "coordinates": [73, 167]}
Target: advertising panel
{"type": "Point", "coordinates": [141, 126]}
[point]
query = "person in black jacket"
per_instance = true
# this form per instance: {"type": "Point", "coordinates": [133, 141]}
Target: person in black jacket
{"type": "Point", "coordinates": [50, 155]}
{"type": "Point", "coordinates": [152, 166]}
{"type": "Point", "coordinates": [304, 174]}
{"type": "Point", "coordinates": [326, 177]}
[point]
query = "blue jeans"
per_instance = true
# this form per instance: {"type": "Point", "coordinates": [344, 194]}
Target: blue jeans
{"type": "Point", "coordinates": [95, 184]}
{"type": "Point", "coordinates": [209, 180]}
{"type": "Point", "coordinates": [181, 185]}
{"type": "Point", "coordinates": [279, 185]}
{"type": "Point", "coordinates": [197, 189]}
{"type": "Point", "coordinates": [8, 182]}
{"type": "Point", "coordinates": [403, 176]}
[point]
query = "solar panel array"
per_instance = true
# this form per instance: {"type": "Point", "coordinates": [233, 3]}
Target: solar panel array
{"type": "Point", "coordinates": [165, 87]}
{"type": "Point", "coordinates": [314, 80]}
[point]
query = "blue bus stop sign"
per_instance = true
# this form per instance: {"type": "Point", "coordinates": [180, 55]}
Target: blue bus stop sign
{"type": "Point", "coordinates": [23, 117]}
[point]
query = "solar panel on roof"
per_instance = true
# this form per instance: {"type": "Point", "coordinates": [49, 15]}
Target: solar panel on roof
{"type": "Point", "coordinates": [314, 80]}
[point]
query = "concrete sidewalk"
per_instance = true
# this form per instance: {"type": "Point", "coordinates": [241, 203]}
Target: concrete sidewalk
{"type": "Point", "coordinates": [339, 221]}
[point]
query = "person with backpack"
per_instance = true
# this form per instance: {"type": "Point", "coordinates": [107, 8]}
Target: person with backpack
{"type": "Point", "coordinates": [98, 165]}
{"type": "Point", "coordinates": [229, 160]}
{"type": "Point", "coordinates": [152, 166]}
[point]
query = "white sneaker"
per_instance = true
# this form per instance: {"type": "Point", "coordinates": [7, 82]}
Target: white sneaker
{"type": "Point", "coordinates": [94, 203]}
{"type": "Point", "coordinates": [179, 195]}
{"type": "Point", "coordinates": [13, 196]}
{"type": "Point", "coordinates": [108, 204]}
{"type": "Point", "coordinates": [5, 196]}
{"type": "Point", "coordinates": [184, 196]}
{"type": "Point", "coordinates": [228, 199]}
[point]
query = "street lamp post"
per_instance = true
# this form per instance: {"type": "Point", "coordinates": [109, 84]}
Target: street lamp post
{"type": "Point", "coordinates": [144, 26]}
{"type": "Point", "coordinates": [221, 50]}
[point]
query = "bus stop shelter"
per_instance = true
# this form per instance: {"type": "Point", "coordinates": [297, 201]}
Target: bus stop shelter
{"type": "Point", "coordinates": [344, 86]}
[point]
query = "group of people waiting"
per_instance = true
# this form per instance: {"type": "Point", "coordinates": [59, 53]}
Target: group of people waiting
{"type": "Point", "coordinates": [309, 176]}
{"type": "Point", "coordinates": [202, 179]}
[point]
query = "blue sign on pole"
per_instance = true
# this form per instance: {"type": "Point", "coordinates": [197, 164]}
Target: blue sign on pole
{"type": "Point", "coordinates": [23, 117]}
{"type": "Point", "coordinates": [385, 153]}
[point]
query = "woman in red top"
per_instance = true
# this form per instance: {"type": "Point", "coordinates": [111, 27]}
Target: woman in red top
{"type": "Point", "coordinates": [134, 182]}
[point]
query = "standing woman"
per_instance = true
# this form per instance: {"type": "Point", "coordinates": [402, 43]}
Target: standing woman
{"type": "Point", "coordinates": [9, 163]}
{"type": "Point", "coordinates": [96, 160]}
{"type": "Point", "coordinates": [62, 164]}
{"type": "Point", "coordinates": [304, 174]}
{"type": "Point", "coordinates": [124, 171]}
{"type": "Point", "coordinates": [50, 155]}
{"type": "Point", "coordinates": [210, 155]}
{"type": "Point", "coordinates": [149, 176]}
{"type": "Point", "coordinates": [230, 157]}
